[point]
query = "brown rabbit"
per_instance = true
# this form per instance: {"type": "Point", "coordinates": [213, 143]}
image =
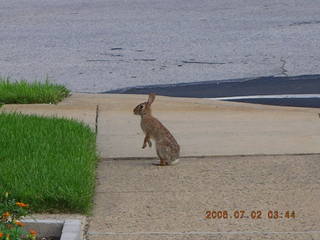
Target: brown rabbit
{"type": "Point", "coordinates": [168, 149]}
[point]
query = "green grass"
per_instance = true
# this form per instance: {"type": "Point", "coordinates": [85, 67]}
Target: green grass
{"type": "Point", "coordinates": [47, 162]}
{"type": "Point", "coordinates": [36, 92]}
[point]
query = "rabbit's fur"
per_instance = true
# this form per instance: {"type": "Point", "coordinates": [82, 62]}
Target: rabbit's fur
{"type": "Point", "coordinates": [167, 148]}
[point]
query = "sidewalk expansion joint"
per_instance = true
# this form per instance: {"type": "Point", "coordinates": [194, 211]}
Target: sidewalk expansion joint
{"type": "Point", "coordinates": [198, 233]}
{"type": "Point", "coordinates": [97, 119]}
{"type": "Point", "coordinates": [210, 156]}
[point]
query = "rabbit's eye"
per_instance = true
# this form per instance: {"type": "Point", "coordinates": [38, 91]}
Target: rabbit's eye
{"type": "Point", "coordinates": [141, 106]}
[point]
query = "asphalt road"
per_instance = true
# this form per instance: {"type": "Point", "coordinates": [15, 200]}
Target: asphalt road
{"type": "Point", "coordinates": [100, 45]}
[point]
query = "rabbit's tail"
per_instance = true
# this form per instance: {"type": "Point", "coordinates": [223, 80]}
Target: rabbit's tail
{"type": "Point", "coordinates": [174, 162]}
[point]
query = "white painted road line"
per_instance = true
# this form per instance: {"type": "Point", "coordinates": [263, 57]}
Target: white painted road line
{"type": "Point", "coordinates": [269, 96]}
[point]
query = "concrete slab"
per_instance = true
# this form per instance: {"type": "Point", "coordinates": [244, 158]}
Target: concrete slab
{"type": "Point", "coordinates": [206, 127]}
{"type": "Point", "coordinates": [202, 127]}
{"type": "Point", "coordinates": [135, 200]}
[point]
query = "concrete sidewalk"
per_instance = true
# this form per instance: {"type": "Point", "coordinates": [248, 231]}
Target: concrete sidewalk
{"type": "Point", "coordinates": [136, 200]}
{"type": "Point", "coordinates": [209, 128]}
{"type": "Point", "coordinates": [202, 127]}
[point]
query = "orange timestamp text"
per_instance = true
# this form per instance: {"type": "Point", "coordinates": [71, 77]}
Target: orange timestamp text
{"type": "Point", "coordinates": [253, 214]}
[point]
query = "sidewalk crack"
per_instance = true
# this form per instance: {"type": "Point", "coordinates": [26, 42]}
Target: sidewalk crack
{"type": "Point", "coordinates": [283, 69]}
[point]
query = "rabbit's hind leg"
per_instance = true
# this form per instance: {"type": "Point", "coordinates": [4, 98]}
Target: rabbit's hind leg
{"type": "Point", "coordinates": [161, 163]}
{"type": "Point", "coordinates": [161, 156]}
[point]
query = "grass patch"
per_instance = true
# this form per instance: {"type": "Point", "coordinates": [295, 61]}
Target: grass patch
{"type": "Point", "coordinates": [47, 162]}
{"type": "Point", "coordinates": [36, 92]}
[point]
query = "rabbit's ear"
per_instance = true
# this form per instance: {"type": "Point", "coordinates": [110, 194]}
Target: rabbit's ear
{"type": "Point", "coordinates": [151, 98]}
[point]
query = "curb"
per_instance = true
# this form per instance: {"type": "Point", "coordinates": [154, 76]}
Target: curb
{"type": "Point", "coordinates": [69, 229]}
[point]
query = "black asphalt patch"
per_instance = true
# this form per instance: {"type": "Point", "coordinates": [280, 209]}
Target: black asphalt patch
{"type": "Point", "coordinates": [271, 85]}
